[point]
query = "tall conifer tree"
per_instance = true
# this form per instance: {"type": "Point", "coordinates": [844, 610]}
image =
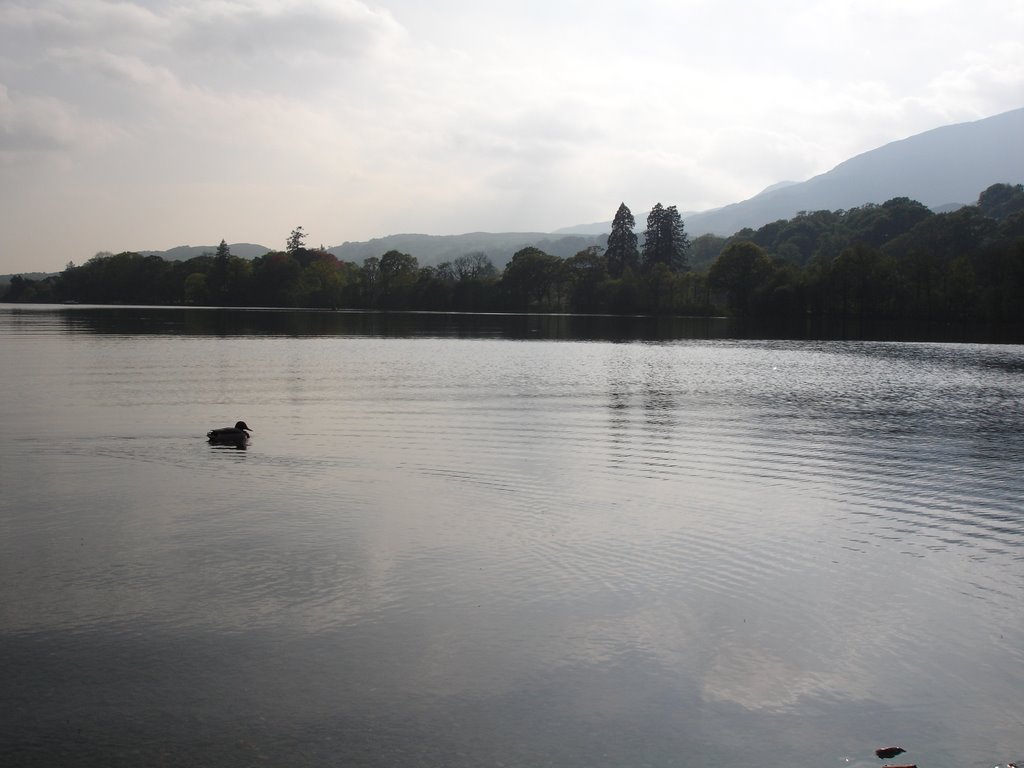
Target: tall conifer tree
{"type": "Point", "coordinates": [665, 240]}
{"type": "Point", "coordinates": [622, 249]}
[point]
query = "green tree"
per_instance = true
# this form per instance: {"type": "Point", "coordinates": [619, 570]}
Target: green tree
{"type": "Point", "coordinates": [660, 289]}
{"type": "Point", "coordinates": [474, 266]}
{"type": "Point", "coordinates": [445, 272]}
{"type": "Point", "coordinates": [296, 241]}
{"type": "Point", "coordinates": [863, 279]}
{"type": "Point", "coordinates": [654, 235]}
{"type": "Point", "coordinates": [322, 282]}
{"type": "Point", "coordinates": [738, 271]}
{"type": "Point", "coordinates": [665, 239]}
{"type": "Point", "coordinates": [433, 289]}
{"type": "Point", "coordinates": [397, 274]}
{"type": "Point", "coordinates": [944, 236]}
{"type": "Point", "coordinates": [369, 281]}
{"type": "Point", "coordinates": [1001, 277]}
{"type": "Point", "coordinates": [875, 225]}
{"type": "Point", "coordinates": [691, 295]}
{"type": "Point", "coordinates": [920, 275]}
{"type": "Point", "coordinates": [218, 280]}
{"type": "Point", "coordinates": [529, 278]}
{"type": "Point", "coordinates": [961, 289]}
{"type": "Point", "coordinates": [276, 280]}
{"type": "Point", "coordinates": [239, 279]}
{"type": "Point", "coordinates": [1001, 200]}
{"type": "Point", "coordinates": [22, 289]}
{"type": "Point", "coordinates": [783, 294]}
{"type": "Point", "coordinates": [195, 288]}
{"type": "Point", "coordinates": [705, 249]}
{"type": "Point", "coordinates": [584, 272]}
{"type": "Point", "coordinates": [623, 296]}
{"type": "Point", "coordinates": [622, 248]}
{"type": "Point", "coordinates": [475, 278]}
{"type": "Point", "coordinates": [799, 238]}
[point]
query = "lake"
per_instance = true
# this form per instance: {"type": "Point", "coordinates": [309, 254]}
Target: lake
{"type": "Point", "coordinates": [503, 541]}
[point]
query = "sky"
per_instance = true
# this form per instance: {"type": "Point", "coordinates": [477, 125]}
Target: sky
{"type": "Point", "coordinates": [156, 123]}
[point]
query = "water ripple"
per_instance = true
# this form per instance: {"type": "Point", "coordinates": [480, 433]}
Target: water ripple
{"type": "Point", "coordinates": [749, 534]}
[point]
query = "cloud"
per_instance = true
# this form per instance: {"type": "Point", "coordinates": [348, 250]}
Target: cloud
{"type": "Point", "coordinates": [32, 127]}
{"type": "Point", "coordinates": [182, 80]}
{"type": "Point", "coordinates": [979, 79]}
{"type": "Point", "coordinates": [299, 50]}
{"type": "Point", "coordinates": [391, 115]}
{"type": "Point", "coordinates": [115, 58]}
{"type": "Point", "coordinates": [343, 29]}
{"type": "Point", "coordinates": [51, 23]}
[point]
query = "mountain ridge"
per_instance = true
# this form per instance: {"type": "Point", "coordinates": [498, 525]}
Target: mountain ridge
{"type": "Point", "coordinates": [947, 165]}
{"type": "Point", "coordinates": [186, 252]}
{"type": "Point", "coordinates": [499, 246]}
{"type": "Point", "coordinates": [943, 168]}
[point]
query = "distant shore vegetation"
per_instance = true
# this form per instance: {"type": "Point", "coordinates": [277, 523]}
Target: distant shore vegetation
{"type": "Point", "coordinates": [896, 260]}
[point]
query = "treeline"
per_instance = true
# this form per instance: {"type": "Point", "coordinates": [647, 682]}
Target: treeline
{"type": "Point", "coordinates": [893, 261]}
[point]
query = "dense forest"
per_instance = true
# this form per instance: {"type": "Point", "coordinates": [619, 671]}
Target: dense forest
{"type": "Point", "coordinates": [892, 261]}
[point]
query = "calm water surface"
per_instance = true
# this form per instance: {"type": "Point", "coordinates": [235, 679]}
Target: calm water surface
{"type": "Point", "coordinates": [457, 542]}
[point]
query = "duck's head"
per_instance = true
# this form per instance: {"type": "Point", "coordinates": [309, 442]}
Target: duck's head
{"type": "Point", "coordinates": [242, 425]}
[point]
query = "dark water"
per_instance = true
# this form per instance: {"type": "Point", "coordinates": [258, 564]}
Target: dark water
{"type": "Point", "coordinates": [477, 541]}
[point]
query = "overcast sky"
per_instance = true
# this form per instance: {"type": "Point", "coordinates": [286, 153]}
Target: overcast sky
{"type": "Point", "coordinates": [156, 123]}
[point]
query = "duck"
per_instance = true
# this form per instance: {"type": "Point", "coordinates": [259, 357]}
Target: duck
{"type": "Point", "coordinates": [236, 435]}
{"type": "Point", "coordinates": [885, 753]}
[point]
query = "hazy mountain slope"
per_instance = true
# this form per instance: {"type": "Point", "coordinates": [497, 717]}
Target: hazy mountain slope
{"type": "Point", "coordinates": [604, 227]}
{"type": "Point", "coordinates": [186, 252]}
{"type": "Point", "coordinates": [597, 228]}
{"type": "Point", "coordinates": [429, 250]}
{"type": "Point", "coordinates": [952, 164]}
{"type": "Point", "coordinates": [435, 249]}
{"type": "Point", "coordinates": [5, 280]}
{"type": "Point", "coordinates": [948, 165]}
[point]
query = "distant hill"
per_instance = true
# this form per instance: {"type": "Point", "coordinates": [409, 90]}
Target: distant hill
{"type": "Point", "coordinates": [6, 279]}
{"type": "Point", "coordinates": [597, 228]}
{"type": "Point", "coordinates": [778, 185]}
{"type": "Point", "coordinates": [431, 250]}
{"type": "Point", "coordinates": [604, 227]}
{"type": "Point", "coordinates": [942, 168]}
{"type": "Point", "coordinates": [186, 252]}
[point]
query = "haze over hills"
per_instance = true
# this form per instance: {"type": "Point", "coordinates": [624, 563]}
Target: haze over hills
{"type": "Point", "coordinates": [946, 166]}
{"type": "Point", "coordinates": [428, 249]}
{"type": "Point", "coordinates": [943, 168]}
{"type": "Point", "coordinates": [435, 249]}
{"type": "Point", "coordinates": [186, 252]}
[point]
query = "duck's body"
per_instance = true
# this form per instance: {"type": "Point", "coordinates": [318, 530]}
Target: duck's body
{"type": "Point", "coordinates": [886, 753]}
{"type": "Point", "coordinates": [235, 435]}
